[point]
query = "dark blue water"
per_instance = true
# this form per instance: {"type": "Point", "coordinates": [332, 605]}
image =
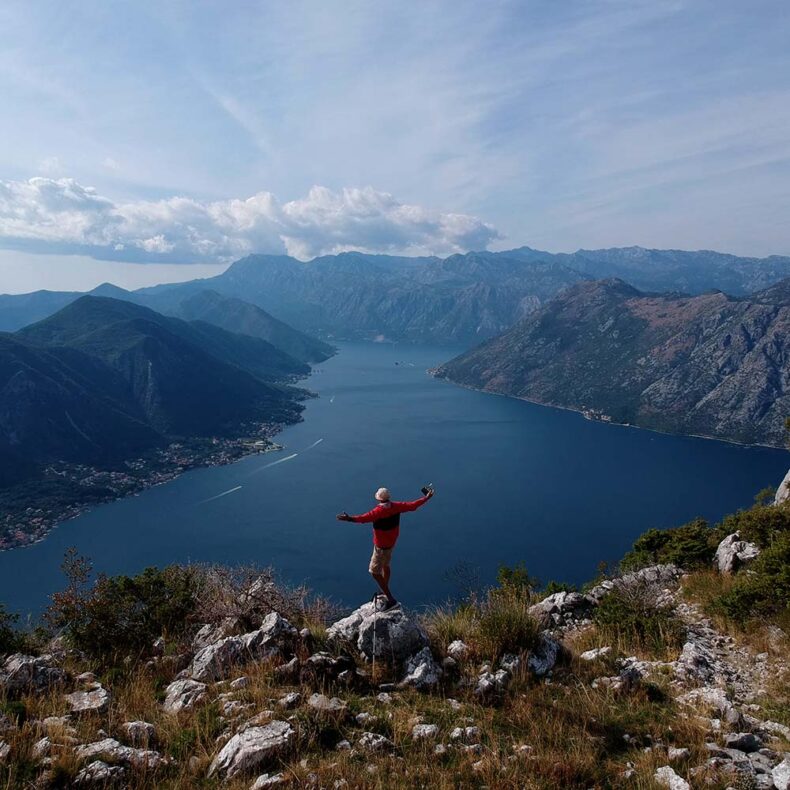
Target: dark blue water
{"type": "Point", "coordinates": [515, 482]}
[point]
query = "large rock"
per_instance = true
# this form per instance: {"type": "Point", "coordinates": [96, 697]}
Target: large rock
{"type": "Point", "coordinates": [97, 700]}
{"type": "Point", "coordinates": [213, 632]}
{"type": "Point", "coordinates": [422, 672]}
{"type": "Point", "coordinates": [659, 576]}
{"type": "Point", "coordinates": [562, 607]}
{"type": "Point", "coordinates": [99, 774]}
{"type": "Point", "coordinates": [216, 661]}
{"type": "Point", "coordinates": [667, 777]}
{"type": "Point", "coordinates": [30, 673]}
{"type": "Point", "coordinates": [252, 748]}
{"type": "Point", "coordinates": [391, 636]}
{"type": "Point", "coordinates": [783, 492]}
{"type": "Point", "coordinates": [183, 695]}
{"type": "Point", "coordinates": [140, 759]}
{"type": "Point", "coordinates": [781, 774]}
{"type": "Point", "coordinates": [544, 655]}
{"type": "Point", "coordinates": [733, 553]}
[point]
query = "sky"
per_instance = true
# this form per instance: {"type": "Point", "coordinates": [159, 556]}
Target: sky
{"type": "Point", "coordinates": [159, 140]}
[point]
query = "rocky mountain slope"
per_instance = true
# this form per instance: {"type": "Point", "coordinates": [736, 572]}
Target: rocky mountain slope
{"type": "Point", "coordinates": [711, 364]}
{"type": "Point", "coordinates": [214, 678]}
{"type": "Point", "coordinates": [103, 379]}
{"type": "Point", "coordinates": [460, 299]}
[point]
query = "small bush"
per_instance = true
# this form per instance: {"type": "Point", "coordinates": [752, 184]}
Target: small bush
{"type": "Point", "coordinates": [759, 524]}
{"type": "Point", "coordinates": [556, 587]}
{"type": "Point", "coordinates": [121, 616]}
{"type": "Point", "coordinates": [10, 640]}
{"type": "Point", "coordinates": [631, 620]}
{"type": "Point", "coordinates": [517, 577]}
{"type": "Point", "coordinates": [690, 546]}
{"type": "Point", "coordinates": [762, 591]}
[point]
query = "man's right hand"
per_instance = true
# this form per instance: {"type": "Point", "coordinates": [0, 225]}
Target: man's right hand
{"type": "Point", "coordinates": [343, 516]}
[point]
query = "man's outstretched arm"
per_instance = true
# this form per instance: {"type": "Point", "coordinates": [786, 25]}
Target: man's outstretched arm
{"type": "Point", "coordinates": [407, 507]}
{"type": "Point", "coordinates": [364, 518]}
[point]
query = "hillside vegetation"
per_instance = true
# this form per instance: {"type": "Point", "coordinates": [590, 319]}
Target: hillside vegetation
{"type": "Point", "coordinates": [672, 672]}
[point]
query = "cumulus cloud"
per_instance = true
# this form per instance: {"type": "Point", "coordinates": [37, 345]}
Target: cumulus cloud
{"type": "Point", "coordinates": [61, 215]}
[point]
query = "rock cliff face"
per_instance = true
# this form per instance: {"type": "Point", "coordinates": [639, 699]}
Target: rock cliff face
{"type": "Point", "coordinates": [712, 364]}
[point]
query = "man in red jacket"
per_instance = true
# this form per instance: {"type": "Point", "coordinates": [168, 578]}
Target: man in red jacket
{"type": "Point", "coordinates": [385, 518]}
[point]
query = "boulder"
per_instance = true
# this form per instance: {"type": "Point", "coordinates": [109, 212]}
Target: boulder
{"type": "Point", "coordinates": [139, 733]}
{"type": "Point", "coordinates": [783, 491]}
{"type": "Point", "coordinates": [99, 773]}
{"type": "Point", "coordinates": [562, 607]}
{"type": "Point", "coordinates": [733, 553]}
{"type": "Point", "coordinates": [140, 759]}
{"type": "Point", "coordinates": [667, 777]}
{"type": "Point", "coordinates": [743, 741]}
{"type": "Point", "coordinates": [214, 632]}
{"type": "Point", "coordinates": [253, 748]}
{"type": "Point", "coordinates": [781, 774]}
{"type": "Point", "coordinates": [391, 636]}
{"type": "Point", "coordinates": [183, 695]}
{"type": "Point", "coordinates": [216, 661]}
{"type": "Point", "coordinates": [659, 576]}
{"type": "Point", "coordinates": [422, 672]}
{"type": "Point", "coordinates": [97, 700]}
{"type": "Point", "coordinates": [544, 655]}
{"type": "Point", "coordinates": [30, 673]}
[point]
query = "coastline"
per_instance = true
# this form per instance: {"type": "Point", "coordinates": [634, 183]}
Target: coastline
{"type": "Point", "coordinates": [586, 414]}
{"type": "Point", "coordinates": [161, 467]}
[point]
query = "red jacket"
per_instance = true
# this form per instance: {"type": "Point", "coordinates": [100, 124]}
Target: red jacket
{"type": "Point", "coordinates": [386, 520]}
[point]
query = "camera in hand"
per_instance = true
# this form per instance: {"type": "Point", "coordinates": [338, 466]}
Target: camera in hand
{"type": "Point", "coordinates": [427, 489]}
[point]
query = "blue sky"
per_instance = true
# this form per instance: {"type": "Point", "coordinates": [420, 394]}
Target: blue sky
{"type": "Point", "coordinates": [194, 132]}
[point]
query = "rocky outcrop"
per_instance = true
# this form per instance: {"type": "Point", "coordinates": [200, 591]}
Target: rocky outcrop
{"type": "Point", "coordinates": [252, 749]}
{"type": "Point", "coordinates": [184, 694]}
{"type": "Point", "coordinates": [30, 673]}
{"type": "Point", "coordinates": [544, 655]}
{"type": "Point", "coordinates": [733, 553]}
{"type": "Point", "coordinates": [659, 577]}
{"type": "Point", "coordinates": [392, 636]}
{"type": "Point", "coordinates": [95, 700]}
{"type": "Point", "coordinates": [140, 759]}
{"type": "Point", "coordinates": [783, 491]}
{"type": "Point", "coordinates": [216, 661]}
{"type": "Point", "coordinates": [562, 608]}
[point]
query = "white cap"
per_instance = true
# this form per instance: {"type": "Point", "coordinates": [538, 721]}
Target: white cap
{"type": "Point", "coordinates": [383, 495]}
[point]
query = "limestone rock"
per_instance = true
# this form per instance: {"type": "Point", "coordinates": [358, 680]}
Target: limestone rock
{"type": "Point", "coordinates": [267, 780]}
{"type": "Point", "coordinates": [468, 735]}
{"type": "Point", "coordinates": [373, 742]}
{"type": "Point", "coordinates": [544, 655]}
{"type": "Point", "coordinates": [783, 491]}
{"type": "Point", "coordinates": [422, 672]}
{"type": "Point", "coordinates": [781, 774]}
{"type": "Point", "coordinates": [214, 632]}
{"type": "Point", "coordinates": [422, 732]}
{"type": "Point", "coordinates": [5, 750]}
{"type": "Point", "coordinates": [667, 777]}
{"type": "Point", "coordinates": [183, 695]}
{"type": "Point", "coordinates": [96, 700]}
{"type": "Point", "coordinates": [322, 704]}
{"type": "Point", "coordinates": [733, 553]}
{"type": "Point", "coordinates": [595, 653]}
{"type": "Point", "coordinates": [390, 636]}
{"type": "Point", "coordinates": [743, 741]}
{"type": "Point", "coordinates": [562, 607]}
{"type": "Point", "coordinates": [458, 650]}
{"type": "Point", "coordinates": [290, 700]}
{"type": "Point", "coordinates": [140, 759]}
{"type": "Point", "coordinates": [99, 773]}
{"type": "Point", "coordinates": [252, 748]}
{"type": "Point", "coordinates": [30, 673]}
{"type": "Point", "coordinates": [658, 576]}
{"type": "Point", "coordinates": [677, 754]}
{"type": "Point", "coordinates": [492, 684]}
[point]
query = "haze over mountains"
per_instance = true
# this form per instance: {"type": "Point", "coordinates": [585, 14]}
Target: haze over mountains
{"type": "Point", "coordinates": [711, 364]}
{"type": "Point", "coordinates": [460, 299]}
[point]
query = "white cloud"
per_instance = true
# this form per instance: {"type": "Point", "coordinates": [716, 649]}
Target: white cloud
{"type": "Point", "coordinates": [61, 215]}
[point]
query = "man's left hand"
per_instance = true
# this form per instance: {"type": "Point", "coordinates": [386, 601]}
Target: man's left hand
{"type": "Point", "coordinates": [343, 516]}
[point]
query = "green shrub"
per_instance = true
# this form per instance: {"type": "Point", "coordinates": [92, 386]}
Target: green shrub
{"type": "Point", "coordinates": [122, 616]}
{"type": "Point", "coordinates": [10, 639]}
{"type": "Point", "coordinates": [556, 587]}
{"type": "Point", "coordinates": [631, 620]}
{"type": "Point", "coordinates": [518, 577]}
{"type": "Point", "coordinates": [762, 591]}
{"type": "Point", "coordinates": [759, 524]}
{"type": "Point", "coordinates": [690, 546]}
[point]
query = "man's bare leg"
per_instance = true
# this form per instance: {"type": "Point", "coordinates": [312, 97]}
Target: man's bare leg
{"type": "Point", "coordinates": [382, 579]}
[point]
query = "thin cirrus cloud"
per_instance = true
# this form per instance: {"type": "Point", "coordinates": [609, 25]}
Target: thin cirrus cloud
{"type": "Point", "coordinates": [61, 215]}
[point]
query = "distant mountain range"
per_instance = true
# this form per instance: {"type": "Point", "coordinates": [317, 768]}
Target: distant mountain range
{"type": "Point", "coordinates": [711, 364]}
{"type": "Point", "coordinates": [104, 379]}
{"type": "Point", "coordinates": [460, 299]}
